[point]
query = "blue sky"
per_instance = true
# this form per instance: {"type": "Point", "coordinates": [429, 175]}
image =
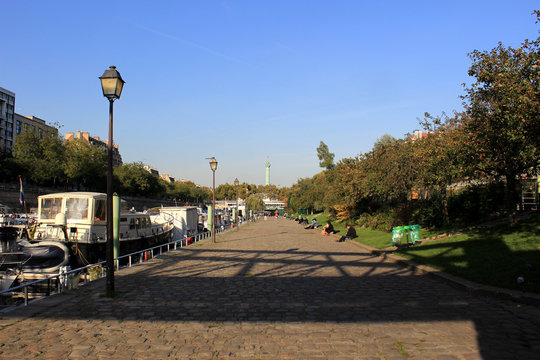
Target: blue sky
{"type": "Point", "coordinates": [240, 80]}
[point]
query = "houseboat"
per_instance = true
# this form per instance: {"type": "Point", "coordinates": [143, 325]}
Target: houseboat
{"type": "Point", "coordinates": [185, 219]}
{"type": "Point", "coordinates": [78, 220]}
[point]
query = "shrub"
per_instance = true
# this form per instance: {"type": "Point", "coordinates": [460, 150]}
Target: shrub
{"type": "Point", "coordinates": [428, 212]}
{"type": "Point", "coordinates": [476, 202]}
{"type": "Point", "coordinates": [383, 219]}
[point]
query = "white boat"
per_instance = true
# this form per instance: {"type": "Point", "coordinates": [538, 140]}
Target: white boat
{"type": "Point", "coordinates": [79, 220]}
{"type": "Point", "coordinates": [185, 219]}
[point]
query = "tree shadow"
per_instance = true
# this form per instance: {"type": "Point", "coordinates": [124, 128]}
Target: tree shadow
{"type": "Point", "coordinates": [486, 258]}
{"type": "Point", "coordinates": [219, 285]}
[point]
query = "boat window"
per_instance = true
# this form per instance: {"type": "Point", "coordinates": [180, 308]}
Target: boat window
{"type": "Point", "coordinates": [138, 223]}
{"type": "Point", "coordinates": [50, 207]}
{"type": "Point", "coordinates": [100, 213]}
{"type": "Point", "coordinates": [132, 223]}
{"type": "Point", "coordinates": [77, 209]}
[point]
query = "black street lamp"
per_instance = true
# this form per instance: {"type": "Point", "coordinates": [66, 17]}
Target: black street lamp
{"type": "Point", "coordinates": [111, 84]}
{"type": "Point", "coordinates": [236, 182]}
{"type": "Point", "coordinates": [213, 166]}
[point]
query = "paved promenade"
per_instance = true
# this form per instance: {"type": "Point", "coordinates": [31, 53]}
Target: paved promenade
{"type": "Point", "coordinates": [271, 291]}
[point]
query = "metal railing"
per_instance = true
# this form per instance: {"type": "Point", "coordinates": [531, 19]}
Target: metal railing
{"type": "Point", "coordinates": [97, 271]}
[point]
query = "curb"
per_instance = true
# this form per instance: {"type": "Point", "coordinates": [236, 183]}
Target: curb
{"type": "Point", "coordinates": [470, 286]}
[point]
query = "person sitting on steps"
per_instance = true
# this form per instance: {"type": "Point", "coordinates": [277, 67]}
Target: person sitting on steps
{"type": "Point", "coordinates": [351, 234]}
{"type": "Point", "coordinates": [314, 224]}
{"type": "Point", "coordinates": [327, 229]}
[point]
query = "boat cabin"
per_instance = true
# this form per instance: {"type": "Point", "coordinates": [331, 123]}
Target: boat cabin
{"type": "Point", "coordinates": [82, 216]}
{"type": "Point", "coordinates": [78, 207]}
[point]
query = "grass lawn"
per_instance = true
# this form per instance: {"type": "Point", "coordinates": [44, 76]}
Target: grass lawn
{"type": "Point", "coordinates": [376, 238]}
{"type": "Point", "coordinates": [495, 256]}
{"type": "Point", "coordinates": [426, 233]}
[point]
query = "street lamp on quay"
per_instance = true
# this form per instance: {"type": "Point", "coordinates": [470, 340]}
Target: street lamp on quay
{"type": "Point", "coordinates": [111, 84]}
{"type": "Point", "coordinates": [213, 166]}
{"type": "Point", "coordinates": [236, 183]}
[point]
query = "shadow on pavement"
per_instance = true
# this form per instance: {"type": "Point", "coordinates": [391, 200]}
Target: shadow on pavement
{"type": "Point", "coordinates": [221, 285]}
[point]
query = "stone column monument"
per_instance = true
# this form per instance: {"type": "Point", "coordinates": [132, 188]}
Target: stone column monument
{"type": "Point", "coordinates": [268, 170]}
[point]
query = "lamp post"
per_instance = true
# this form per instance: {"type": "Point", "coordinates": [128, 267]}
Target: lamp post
{"type": "Point", "coordinates": [213, 166]}
{"type": "Point", "coordinates": [236, 182]}
{"type": "Point", "coordinates": [111, 84]}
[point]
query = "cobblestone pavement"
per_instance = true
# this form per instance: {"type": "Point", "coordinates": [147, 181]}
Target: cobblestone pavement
{"type": "Point", "coordinates": [271, 291]}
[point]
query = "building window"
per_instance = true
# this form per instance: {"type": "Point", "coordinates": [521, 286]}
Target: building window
{"type": "Point", "coordinates": [40, 133]}
{"type": "Point", "coordinates": [18, 127]}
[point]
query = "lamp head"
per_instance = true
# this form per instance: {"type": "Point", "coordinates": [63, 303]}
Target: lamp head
{"type": "Point", "coordinates": [213, 164]}
{"type": "Point", "coordinates": [112, 83]}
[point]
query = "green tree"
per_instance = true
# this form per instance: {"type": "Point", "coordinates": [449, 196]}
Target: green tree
{"type": "Point", "coordinates": [442, 157]}
{"type": "Point", "coordinates": [308, 193]}
{"type": "Point", "coordinates": [244, 190]}
{"type": "Point", "coordinates": [180, 191]}
{"type": "Point", "coordinates": [9, 168]}
{"type": "Point", "coordinates": [189, 191]}
{"type": "Point", "coordinates": [41, 159]}
{"type": "Point", "coordinates": [85, 165]}
{"type": "Point", "coordinates": [284, 193]}
{"type": "Point", "coordinates": [133, 179]}
{"type": "Point", "coordinates": [200, 194]}
{"type": "Point", "coordinates": [383, 141]}
{"type": "Point", "coordinates": [502, 112]}
{"type": "Point", "coordinates": [348, 189]}
{"type": "Point", "coordinates": [391, 171]}
{"type": "Point", "coordinates": [225, 192]}
{"type": "Point", "coordinates": [255, 202]}
{"type": "Point", "coordinates": [271, 191]}
{"type": "Point", "coordinates": [326, 158]}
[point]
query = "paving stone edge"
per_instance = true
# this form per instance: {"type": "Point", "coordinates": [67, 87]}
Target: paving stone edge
{"type": "Point", "coordinates": [470, 286]}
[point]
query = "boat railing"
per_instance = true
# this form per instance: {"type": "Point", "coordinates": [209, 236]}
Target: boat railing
{"type": "Point", "coordinates": [97, 271]}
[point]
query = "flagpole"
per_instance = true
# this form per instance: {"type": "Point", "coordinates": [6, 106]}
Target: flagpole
{"type": "Point", "coordinates": [21, 198]}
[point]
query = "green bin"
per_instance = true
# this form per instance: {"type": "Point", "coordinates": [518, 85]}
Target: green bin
{"type": "Point", "coordinates": [415, 233]}
{"type": "Point", "coordinates": [397, 235]}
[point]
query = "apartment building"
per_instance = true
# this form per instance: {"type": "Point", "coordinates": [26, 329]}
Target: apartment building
{"type": "Point", "coordinates": [7, 111]}
{"type": "Point", "coordinates": [97, 142]}
{"type": "Point", "coordinates": [168, 178]}
{"type": "Point", "coordinates": [151, 170]}
{"type": "Point", "coordinates": [35, 124]}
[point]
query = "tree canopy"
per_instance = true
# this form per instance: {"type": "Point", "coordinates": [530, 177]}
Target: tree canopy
{"type": "Point", "coordinates": [458, 168]}
{"type": "Point", "coordinates": [502, 112]}
{"type": "Point", "coordinates": [42, 160]}
{"type": "Point", "coordinates": [85, 164]}
{"type": "Point", "coordinates": [326, 158]}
